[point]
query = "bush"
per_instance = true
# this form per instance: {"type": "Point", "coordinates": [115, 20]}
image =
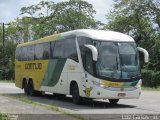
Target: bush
{"type": "Point", "coordinates": [3, 117]}
{"type": "Point", "coordinates": [150, 78]}
{"type": "Point", "coordinates": [0, 74]}
{"type": "Point", "coordinates": [157, 77]}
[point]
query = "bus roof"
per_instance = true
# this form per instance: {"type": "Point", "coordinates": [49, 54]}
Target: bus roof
{"type": "Point", "coordinates": [100, 35]}
{"type": "Point", "coordinates": [94, 34]}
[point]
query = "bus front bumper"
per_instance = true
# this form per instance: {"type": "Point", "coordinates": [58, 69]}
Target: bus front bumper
{"type": "Point", "coordinates": [116, 93]}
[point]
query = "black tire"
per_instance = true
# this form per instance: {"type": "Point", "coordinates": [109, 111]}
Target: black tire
{"type": "Point", "coordinates": [25, 87]}
{"type": "Point", "coordinates": [113, 101]}
{"type": "Point", "coordinates": [75, 94]}
{"type": "Point", "coordinates": [38, 93]}
{"type": "Point", "coordinates": [31, 90]}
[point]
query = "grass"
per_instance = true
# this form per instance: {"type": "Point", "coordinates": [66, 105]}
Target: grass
{"type": "Point", "coordinates": [151, 89]}
{"type": "Point", "coordinates": [4, 117]}
{"type": "Point", "coordinates": [48, 107]}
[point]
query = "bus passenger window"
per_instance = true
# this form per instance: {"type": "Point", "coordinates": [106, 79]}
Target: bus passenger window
{"type": "Point", "coordinates": [52, 48]}
{"type": "Point", "coordinates": [18, 53]}
{"type": "Point", "coordinates": [38, 51]}
{"type": "Point", "coordinates": [70, 49]}
{"type": "Point", "coordinates": [46, 51]}
{"type": "Point", "coordinates": [24, 54]}
{"type": "Point", "coordinates": [58, 51]}
{"type": "Point", "coordinates": [30, 55]}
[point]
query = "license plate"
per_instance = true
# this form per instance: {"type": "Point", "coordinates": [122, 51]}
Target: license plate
{"type": "Point", "coordinates": [121, 94]}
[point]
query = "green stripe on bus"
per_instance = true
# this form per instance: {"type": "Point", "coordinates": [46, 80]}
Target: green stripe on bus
{"type": "Point", "coordinates": [130, 83]}
{"type": "Point", "coordinates": [53, 72]}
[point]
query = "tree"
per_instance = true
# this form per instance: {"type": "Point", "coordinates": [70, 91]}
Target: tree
{"type": "Point", "coordinates": [47, 18]}
{"type": "Point", "coordinates": [7, 59]}
{"type": "Point", "coordinates": [138, 19]}
{"type": "Point", "coordinates": [73, 14]}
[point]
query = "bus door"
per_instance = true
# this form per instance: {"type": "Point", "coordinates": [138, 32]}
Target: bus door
{"type": "Point", "coordinates": [88, 66]}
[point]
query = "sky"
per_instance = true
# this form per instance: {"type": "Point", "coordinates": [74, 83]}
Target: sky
{"type": "Point", "coordinates": [10, 9]}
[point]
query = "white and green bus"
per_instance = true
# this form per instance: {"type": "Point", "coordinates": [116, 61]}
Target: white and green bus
{"type": "Point", "coordinates": [84, 63]}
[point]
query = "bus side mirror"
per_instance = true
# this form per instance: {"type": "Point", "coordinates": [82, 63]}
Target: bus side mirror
{"type": "Point", "coordinates": [94, 51]}
{"type": "Point", "coordinates": [145, 52]}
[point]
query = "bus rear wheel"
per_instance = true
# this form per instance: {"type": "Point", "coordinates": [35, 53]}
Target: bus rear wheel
{"type": "Point", "coordinates": [75, 94]}
{"type": "Point", "coordinates": [113, 101]}
{"type": "Point", "coordinates": [25, 87]}
{"type": "Point", "coordinates": [31, 88]}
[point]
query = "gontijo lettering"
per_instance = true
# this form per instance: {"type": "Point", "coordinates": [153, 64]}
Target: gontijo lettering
{"type": "Point", "coordinates": [33, 66]}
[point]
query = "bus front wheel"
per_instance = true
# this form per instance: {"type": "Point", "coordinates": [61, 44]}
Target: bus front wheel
{"type": "Point", "coordinates": [113, 101]}
{"type": "Point", "coordinates": [75, 94]}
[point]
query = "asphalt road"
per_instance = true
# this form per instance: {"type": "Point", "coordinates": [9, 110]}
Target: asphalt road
{"type": "Point", "coordinates": [147, 107]}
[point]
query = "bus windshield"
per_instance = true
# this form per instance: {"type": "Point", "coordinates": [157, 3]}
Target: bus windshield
{"type": "Point", "coordinates": [117, 60]}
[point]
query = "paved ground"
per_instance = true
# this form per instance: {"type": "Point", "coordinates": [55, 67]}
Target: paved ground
{"type": "Point", "coordinates": [23, 111]}
{"type": "Point", "coordinates": [149, 103]}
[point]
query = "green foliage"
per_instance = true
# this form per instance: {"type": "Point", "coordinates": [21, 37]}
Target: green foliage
{"type": "Point", "coordinates": [140, 19]}
{"type": "Point", "coordinates": [43, 19]}
{"type": "Point", "coordinates": [7, 71]}
{"type": "Point", "coordinates": [4, 117]}
{"type": "Point", "coordinates": [150, 78]}
{"type": "Point", "coordinates": [7, 59]}
{"type": "Point", "coordinates": [73, 14]}
{"type": "Point", "coordinates": [47, 18]}
{"type": "Point", "coordinates": [151, 88]}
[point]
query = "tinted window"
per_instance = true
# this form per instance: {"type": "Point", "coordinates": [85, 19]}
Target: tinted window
{"type": "Point", "coordinates": [42, 51]}
{"type": "Point", "coordinates": [70, 49]}
{"type": "Point", "coordinates": [30, 52]}
{"type": "Point", "coordinates": [52, 48]}
{"type": "Point", "coordinates": [46, 50]}
{"type": "Point", "coordinates": [65, 48]}
{"type": "Point", "coordinates": [18, 53]}
{"type": "Point", "coordinates": [24, 54]}
{"type": "Point", "coordinates": [34, 52]}
{"type": "Point", "coordinates": [58, 51]}
{"type": "Point", "coordinates": [82, 41]}
{"type": "Point", "coordinates": [38, 51]}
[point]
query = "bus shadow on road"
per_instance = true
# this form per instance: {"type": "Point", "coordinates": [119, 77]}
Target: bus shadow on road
{"type": "Point", "coordinates": [66, 102]}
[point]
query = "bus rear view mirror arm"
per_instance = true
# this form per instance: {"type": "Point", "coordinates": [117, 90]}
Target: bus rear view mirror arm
{"type": "Point", "coordinates": [146, 55]}
{"type": "Point", "coordinates": [94, 51]}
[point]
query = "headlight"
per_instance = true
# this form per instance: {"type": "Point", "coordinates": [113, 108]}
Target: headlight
{"type": "Point", "coordinates": [99, 84]}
